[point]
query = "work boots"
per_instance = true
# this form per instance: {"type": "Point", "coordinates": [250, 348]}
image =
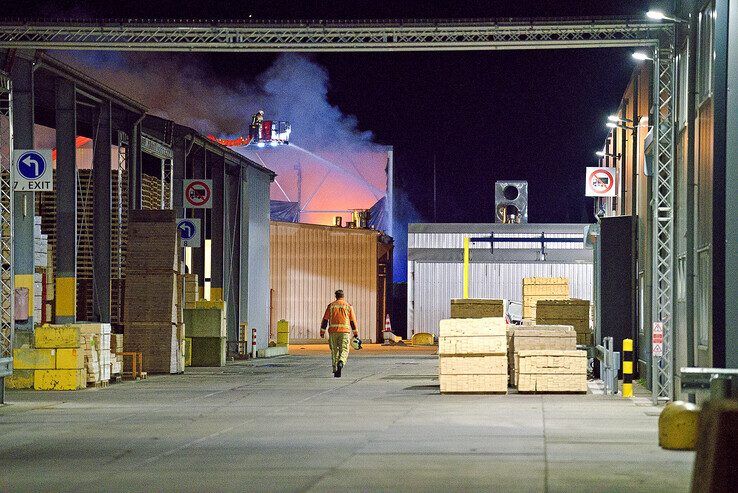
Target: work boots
{"type": "Point", "coordinates": [337, 373]}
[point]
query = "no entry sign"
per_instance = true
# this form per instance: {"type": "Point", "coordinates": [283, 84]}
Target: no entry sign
{"type": "Point", "coordinates": [198, 194]}
{"type": "Point", "coordinates": [601, 182]}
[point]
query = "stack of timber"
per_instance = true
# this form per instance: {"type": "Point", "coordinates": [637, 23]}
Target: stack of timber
{"type": "Point", "coordinates": [567, 312]}
{"type": "Point", "coordinates": [538, 337]}
{"type": "Point", "coordinates": [53, 361]}
{"type": "Point", "coordinates": [477, 308]}
{"type": "Point", "coordinates": [542, 288]}
{"type": "Point", "coordinates": [191, 290]}
{"type": "Point", "coordinates": [551, 371]}
{"type": "Point", "coordinates": [152, 309]}
{"type": "Point", "coordinates": [98, 358]}
{"type": "Point", "coordinates": [205, 327]}
{"type": "Point", "coordinates": [473, 355]}
{"type": "Point", "coordinates": [116, 353]}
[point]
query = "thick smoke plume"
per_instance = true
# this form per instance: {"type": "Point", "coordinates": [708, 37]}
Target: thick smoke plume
{"type": "Point", "coordinates": [294, 89]}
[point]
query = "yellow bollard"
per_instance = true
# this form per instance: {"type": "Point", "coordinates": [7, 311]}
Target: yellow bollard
{"type": "Point", "coordinates": [627, 368]}
{"type": "Point", "coordinates": [678, 426]}
{"type": "Point", "coordinates": [466, 268]}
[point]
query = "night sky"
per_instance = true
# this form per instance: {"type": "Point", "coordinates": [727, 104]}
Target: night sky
{"type": "Point", "coordinates": [483, 116]}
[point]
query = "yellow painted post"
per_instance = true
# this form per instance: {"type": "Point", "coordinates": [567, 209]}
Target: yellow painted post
{"type": "Point", "coordinates": [466, 268]}
{"type": "Point", "coordinates": [627, 368]}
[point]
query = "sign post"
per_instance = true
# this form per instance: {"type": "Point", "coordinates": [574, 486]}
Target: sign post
{"type": "Point", "coordinates": [190, 232]}
{"type": "Point", "coordinates": [657, 340]}
{"type": "Point", "coordinates": [601, 182]}
{"type": "Point", "coordinates": [32, 170]}
{"type": "Point", "coordinates": [198, 194]}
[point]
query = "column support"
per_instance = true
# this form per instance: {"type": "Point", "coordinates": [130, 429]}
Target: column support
{"type": "Point", "coordinates": [101, 215]}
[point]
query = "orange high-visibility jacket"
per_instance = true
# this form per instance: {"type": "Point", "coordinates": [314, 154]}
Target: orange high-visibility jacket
{"type": "Point", "coordinates": [340, 316]}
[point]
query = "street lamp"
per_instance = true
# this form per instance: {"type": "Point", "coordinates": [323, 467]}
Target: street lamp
{"type": "Point", "coordinates": [641, 56]}
{"type": "Point", "coordinates": [617, 119]}
{"type": "Point", "coordinates": [607, 154]}
{"type": "Point", "coordinates": [658, 15]}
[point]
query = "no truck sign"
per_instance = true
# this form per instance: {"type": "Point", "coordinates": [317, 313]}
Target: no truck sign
{"type": "Point", "coordinates": [198, 194]}
{"type": "Point", "coordinates": [601, 182]}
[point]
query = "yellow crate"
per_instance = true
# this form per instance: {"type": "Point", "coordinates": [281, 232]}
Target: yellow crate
{"type": "Point", "coordinates": [20, 379]}
{"type": "Point", "coordinates": [56, 336]}
{"type": "Point", "coordinates": [26, 358]}
{"type": "Point", "coordinates": [70, 359]}
{"type": "Point", "coordinates": [58, 379]}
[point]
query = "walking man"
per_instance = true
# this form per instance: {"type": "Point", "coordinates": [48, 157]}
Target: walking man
{"type": "Point", "coordinates": [340, 320]}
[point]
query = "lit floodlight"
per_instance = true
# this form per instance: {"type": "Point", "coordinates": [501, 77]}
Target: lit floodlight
{"type": "Point", "coordinates": [613, 118]}
{"type": "Point", "coordinates": [656, 15]}
{"type": "Point", "coordinates": [640, 56]}
{"type": "Point", "coordinates": [601, 153]}
{"type": "Point", "coordinates": [611, 125]}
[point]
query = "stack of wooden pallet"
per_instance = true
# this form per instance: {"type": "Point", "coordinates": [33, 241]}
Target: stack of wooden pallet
{"type": "Point", "coordinates": [542, 288]}
{"type": "Point", "coordinates": [116, 350]}
{"type": "Point", "coordinates": [540, 338]}
{"type": "Point", "coordinates": [477, 308]}
{"type": "Point", "coordinates": [551, 371]}
{"type": "Point", "coordinates": [191, 290]}
{"type": "Point", "coordinates": [566, 312]}
{"type": "Point", "coordinates": [152, 309]}
{"type": "Point", "coordinates": [473, 355]}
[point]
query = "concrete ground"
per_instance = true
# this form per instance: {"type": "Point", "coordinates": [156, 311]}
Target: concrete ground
{"type": "Point", "coordinates": [287, 425]}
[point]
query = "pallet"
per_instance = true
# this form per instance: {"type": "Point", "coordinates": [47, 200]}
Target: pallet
{"type": "Point", "coordinates": [553, 392]}
{"type": "Point", "coordinates": [98, 385]}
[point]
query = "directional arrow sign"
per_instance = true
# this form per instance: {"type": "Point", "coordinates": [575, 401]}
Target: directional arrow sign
{"type": "Point", "coordinates": [32, 170]}
{"type": "Point", "coordinates": [189, 232]}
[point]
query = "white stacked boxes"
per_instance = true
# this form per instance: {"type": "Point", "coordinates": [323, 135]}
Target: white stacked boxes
{"type": "Point", "coordinates": [473, 355]}
{"type": "Point", "coordinates": [551, 371]}
{"type": "Point", "coordinates": [98, 359]}
{"type": "Point", "coordinates": [40, 263]}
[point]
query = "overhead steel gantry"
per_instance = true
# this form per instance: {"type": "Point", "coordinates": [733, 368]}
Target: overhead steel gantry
{"type": "Point", "coordinates": [414, 35]}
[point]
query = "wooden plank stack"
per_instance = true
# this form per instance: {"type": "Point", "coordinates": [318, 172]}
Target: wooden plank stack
{"type": "Point", "coordinates": [566, 312]}
{"type": "Point", "coordinates": [542, 288]}
{"type": "Point", "coordinates": [152, 309]}
{"type": "Point", "coordinates": [551, 371]}
{"type": "Point", "coordinates": [96, 345]}
{"type": "Point", "coordinates": [539, 337]}
{"type": "Point", "coordinates": [191, 290]}
{"type": "Point", "coordinates": [477, 308]}
{"type": "Point", "coordinates": [473, 355]}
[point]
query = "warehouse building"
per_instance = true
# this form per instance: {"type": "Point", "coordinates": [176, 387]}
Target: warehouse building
{"type": "Point", "coordinates": [703, 247]}
{"type": "Point", "coordinates": [111, 158]}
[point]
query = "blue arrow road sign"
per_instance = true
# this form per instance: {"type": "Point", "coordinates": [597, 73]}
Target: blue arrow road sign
{"type": "Point", "coordinates": [31, 165]}
{"type": "Point", "coordinates": [187, 229]}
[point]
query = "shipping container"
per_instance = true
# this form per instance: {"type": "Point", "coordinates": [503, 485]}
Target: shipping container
{"type": "Point", "coordinates": [435, 265]}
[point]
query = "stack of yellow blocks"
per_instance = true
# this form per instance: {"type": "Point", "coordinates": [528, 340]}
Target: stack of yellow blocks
{"type": "Point", "coordinates": [55, 362]}
{"type": "Point", "coordinates": [283, 333]}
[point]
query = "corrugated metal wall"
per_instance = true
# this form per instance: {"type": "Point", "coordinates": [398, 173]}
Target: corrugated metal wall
{"type": "Point", "coordinates": [432, 284]}
{"type": "Point", "coordinates": [310, 262]}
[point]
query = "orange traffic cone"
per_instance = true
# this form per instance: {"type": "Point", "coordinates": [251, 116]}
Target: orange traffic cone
{"type": "Point", "coordinates": [387, 333]}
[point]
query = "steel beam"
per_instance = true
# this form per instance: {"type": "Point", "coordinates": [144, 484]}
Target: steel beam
{"type": "Point", "coordinates": [243, 260]}
{"type": "Point", "coordinates": [663, 215]}
{"type": "Point", "coordinates": [7, 281]}
{"type": "Point", "coordinates": [179, 150]}
{"type": "Point", "coordinates": [217, 253]}
{"type": "Point", "coordinates": [328, 36]}
{"type": "Point", "coordinates": [66, 202]}
{"type": "Point", "coordinates": [23, 203]}
{"type": "Point", "coordinates": [197, 157]}
{"type": "Point", "coordinates": [101, 214]}
{"type": "Point", "coordinates": [232, 243]}
{"type": "Point", "coordinates": [134, 168]}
